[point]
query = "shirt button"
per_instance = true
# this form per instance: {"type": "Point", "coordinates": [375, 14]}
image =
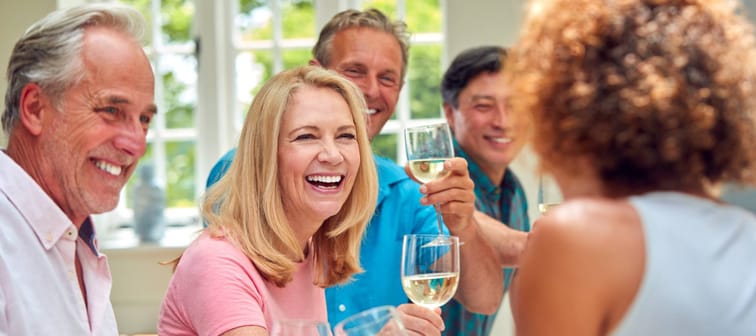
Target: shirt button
{"type": "Point", "coordinates": [342, 308]}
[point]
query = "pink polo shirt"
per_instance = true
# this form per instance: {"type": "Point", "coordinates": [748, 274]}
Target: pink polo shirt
{"type": "Point", "coordinates": [216, 288]}
{"type": "Point", "coordinates": [39, 290]}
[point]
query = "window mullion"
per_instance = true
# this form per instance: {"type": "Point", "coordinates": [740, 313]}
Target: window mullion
{"type": "Point", "coordinates": [277, 36]}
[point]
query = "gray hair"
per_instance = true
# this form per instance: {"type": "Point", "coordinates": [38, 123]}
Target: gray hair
{"type": "Point", "coordinates": [49, 51]}
{"type": "Point", "coordinates": [370, 18]}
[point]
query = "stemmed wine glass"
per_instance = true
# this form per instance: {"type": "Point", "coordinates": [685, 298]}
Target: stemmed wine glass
{"type": "Point", "coordinates": [383, 320]}
{"type": "Point", "coordinates": [296, 327]}
{"type": "Point", "coordinates": [428, 147]}
{"type": "Point", "coordinates": [430, 271]}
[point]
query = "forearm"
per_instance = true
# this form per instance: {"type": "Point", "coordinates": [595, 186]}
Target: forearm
{"type": "Point", "coordinates": [507, 243]}
{"type": "Point", "coordinates": [481, 286]}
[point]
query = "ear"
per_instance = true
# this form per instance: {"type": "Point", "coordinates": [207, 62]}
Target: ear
{"type": "Point", "coordinates": [315, 62]}
{"type": "Point", "coordinates": [32, 105]}
{"type": "Point", "coordinates": [449, 114]}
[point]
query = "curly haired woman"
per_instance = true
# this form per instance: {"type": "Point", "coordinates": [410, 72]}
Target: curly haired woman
{"type": "Point", "coordinates": [641, 109]}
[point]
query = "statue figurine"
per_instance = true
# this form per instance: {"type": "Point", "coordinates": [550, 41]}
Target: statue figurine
{"type": "Point", "coordinates": [149, 203]}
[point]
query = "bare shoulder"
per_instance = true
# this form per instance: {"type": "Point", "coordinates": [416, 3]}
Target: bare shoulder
{"type": "Point", "coordinates": [582, 266]}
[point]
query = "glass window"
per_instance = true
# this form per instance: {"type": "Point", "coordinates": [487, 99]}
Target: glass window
{"type": "Point", "coordinates": [265, 37]}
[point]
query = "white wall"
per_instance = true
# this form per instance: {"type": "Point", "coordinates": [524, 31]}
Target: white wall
{"type": "Point", "coordinates": [14, 19]}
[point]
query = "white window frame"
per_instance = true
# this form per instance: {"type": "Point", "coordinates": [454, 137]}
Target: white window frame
{"type": "Point", "coordinates": [217, 119]}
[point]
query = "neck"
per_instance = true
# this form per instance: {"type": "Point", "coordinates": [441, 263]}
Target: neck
{"type": "Point", "coordinates": [26, 153]}
{"type": "Point", "coordinates": [496, 174]}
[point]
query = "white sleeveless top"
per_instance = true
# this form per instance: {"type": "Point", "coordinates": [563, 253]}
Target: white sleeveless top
{"type": "Point", "coordinates": [700, 275]}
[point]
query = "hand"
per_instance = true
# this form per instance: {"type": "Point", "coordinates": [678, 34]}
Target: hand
{"type": "Point", "coordinates": [419, 320]}
{"type": "Point", "coordinates": [454, 193]}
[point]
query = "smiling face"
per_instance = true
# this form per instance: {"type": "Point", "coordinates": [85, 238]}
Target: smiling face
{"type": "Point", "coordinates": [372, 59]}
{"type": "Point", "coordinates": [90, 146]}
{"type": "Point", "coordinates": [318, 157]}
{"type": "Point", "coordinates": [482, 124]}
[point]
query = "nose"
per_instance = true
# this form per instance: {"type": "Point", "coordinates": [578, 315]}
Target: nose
{"type": "Point", "coordinates": [132, 139]}
{"type": "Point", "coordinates": [330, 153]}
{"type": "Point", "coordinates": [500, 115]}
{"type": "Point", "coordinates": [369, 87]}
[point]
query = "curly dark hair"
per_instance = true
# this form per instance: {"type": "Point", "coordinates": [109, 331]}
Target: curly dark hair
{"type": "Point", "coordinates": [654, 94]}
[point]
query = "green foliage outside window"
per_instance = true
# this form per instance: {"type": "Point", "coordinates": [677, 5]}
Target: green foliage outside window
{"type": "Point", "coordinates": [298, 22]}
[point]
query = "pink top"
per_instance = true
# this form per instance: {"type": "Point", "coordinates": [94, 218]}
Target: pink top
{"type": "Point", "coordinates": [216, 288]}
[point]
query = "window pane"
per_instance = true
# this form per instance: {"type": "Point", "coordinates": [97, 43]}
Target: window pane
{"type": "Point", "coordinates": [252, 70]}
{"type": "Point", "coordinates": [180, 174]}
{"type": "Point", "coordinates": [385, 145]}
{"type": "Point", "coordinates": [298, 19]}
{"type": "Point", "coordinates": [179, 77]}
{"type": "Point", "coordinates": [295, 58]}
{"type": "Point", "coordinates": [255, 19]}
{"type": "Point", "coordinates": [424, 79]}
{"type": "Point", "coordinates": [423, 16]}
{"type": "Point", "coordinates": [177, 16]}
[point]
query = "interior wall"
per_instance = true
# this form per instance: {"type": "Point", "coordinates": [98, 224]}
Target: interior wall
{"type": "Point", "coordinates": [14, 19]}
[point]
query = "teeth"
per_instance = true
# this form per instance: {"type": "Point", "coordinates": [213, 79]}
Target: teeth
{"type": "Point", "coordinates": [109, 168]}
{"type": "Point", "coordinates": [324, 179]}
{"type": "Point", "coordinates": [501, 140]}
{"type": "Point", "coordinates": [370, 111]}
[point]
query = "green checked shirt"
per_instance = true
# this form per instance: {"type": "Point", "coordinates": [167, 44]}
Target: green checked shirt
{"type": "Point", "coordinates": [505, 202]}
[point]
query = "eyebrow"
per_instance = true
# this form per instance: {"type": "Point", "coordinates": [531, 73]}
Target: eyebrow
{"type": "Point", "coordinates": [315, 128]}
{"type": "Point", "coordinates": [364, 66]}
{"type": "Point", "coordinates": [482, 97]}
{"type": "Point", "coordinates": [119, 100]}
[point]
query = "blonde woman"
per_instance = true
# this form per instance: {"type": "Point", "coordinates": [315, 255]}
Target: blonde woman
{"type": "Point", "coordinates": [287, 219]}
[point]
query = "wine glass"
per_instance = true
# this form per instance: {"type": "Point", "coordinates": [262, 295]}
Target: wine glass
{"type": "Point", "coordinates": [383, 320]}
{"type": "Point", "coordinates": [549, 194]}
{"type": "Point", "coordinates": [297, 327]}
{"type": "Point", "coordinates": [430, 272]}
{"type": "Point", "coordinates": [428, 147]}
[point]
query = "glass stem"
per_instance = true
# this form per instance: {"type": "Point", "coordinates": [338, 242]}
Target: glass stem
{"type": "Point", "coordinates": [438, 218]}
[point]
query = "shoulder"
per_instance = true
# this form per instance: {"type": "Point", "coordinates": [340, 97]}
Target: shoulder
{"type": "Point", "coordinates": [215, 257]}
{"type": "Point", "coordinates": [584, 260]}
{"type": "Point", "coordinates": [220, 167]}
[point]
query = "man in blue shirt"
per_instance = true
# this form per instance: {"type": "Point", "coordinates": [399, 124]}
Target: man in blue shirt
{"type": "Point", "coordinates": [475, 96]}
{"type": "Point", "coordinates": [372, 51]}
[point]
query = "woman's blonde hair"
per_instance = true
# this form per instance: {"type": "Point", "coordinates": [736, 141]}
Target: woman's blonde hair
{"type": "Point", "coordinates": [245, 206]}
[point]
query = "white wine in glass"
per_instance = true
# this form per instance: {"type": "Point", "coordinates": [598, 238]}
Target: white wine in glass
{"type": "Point", "coordinates": [430, 271]}
{"type": "Point", "coordinates": [428, 147]}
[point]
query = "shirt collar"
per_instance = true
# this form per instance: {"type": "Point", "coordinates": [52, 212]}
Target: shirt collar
{"type": "Point", "coordinates": [481, 180]}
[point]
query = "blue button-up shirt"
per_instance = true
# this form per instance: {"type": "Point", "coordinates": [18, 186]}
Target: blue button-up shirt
{"type": "Point", "coordinates": [505, 202]}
